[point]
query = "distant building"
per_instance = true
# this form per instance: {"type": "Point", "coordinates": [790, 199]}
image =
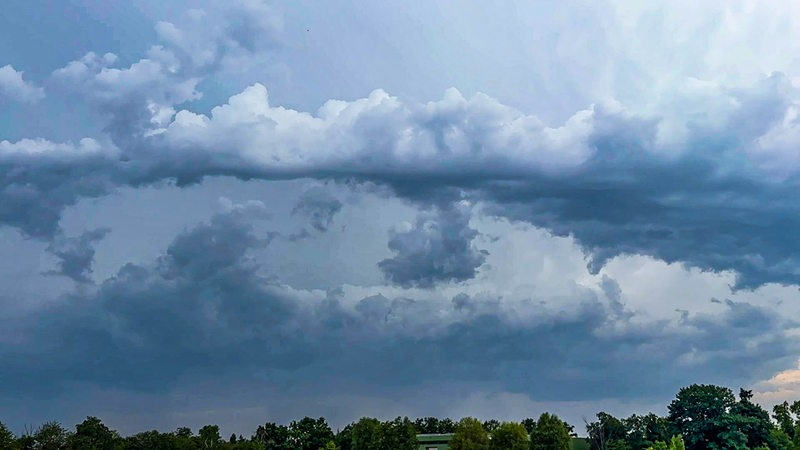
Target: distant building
{"type": "Point", "coordinates": [434, 441]}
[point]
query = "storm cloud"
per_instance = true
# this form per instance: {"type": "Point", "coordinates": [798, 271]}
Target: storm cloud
{"type": "Point", "coordinates": [76, 254]}
{"type": "Point", "coordinates": [552, 226]}
{"type": "Point", "coordinates": [436, 248]}
{"type": "Point", "coordinates": [205, 306]}
{"type": "Point", "coordinates": [607, 176]}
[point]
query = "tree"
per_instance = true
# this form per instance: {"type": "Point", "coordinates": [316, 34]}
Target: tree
{"type": "Point", "coordinates": [92, 434]}
{"type": "Point", "coordinates": [344, 438]}
{"type": "Point", "coordinates": [366, 434]}
{"type": "Point", "coordinates": [607, 433]}
{"type": "Point", "coordinates": [751, 419]}
{"type": "Point", "coordinates": [151, 440]}
{"type": "Point", "coordinates": [529, 424]}
{"type": "Point", "coordinates": [273, 436]}
{"type": "Point", "coordinates": [642, 432]}
{"type": "Point", "coordinates": [51, 436]}
{"type": "Point", "coordinates": [779, 440]}
{"type": "Point", "coordinates": [209, 437]}
{"type": "Point", "coordinates": [491, 425]}
{"type": "Point", "coordinates": [551, 433]}
{"type": "Point", "coordinates": [509, 436]}
{"type": "Point", "coordinates": [698, 414]}
{"type": "Point", "coordinates": [399, 434]}
{"type": "Point", "coordinates": [7, 438]}
{"type": "Point", "coordinates": [469, 435]}
{"type": "Point", "coordinates": [183, 439]}
{"type": "Point", "coordinates": [676, 443]}
{"type": "Point", "coordinates": [310, 434]}
{"type": "Point", "coordinates": [783, 416]}
{"type": "Point", "coordinates": [433, 425]}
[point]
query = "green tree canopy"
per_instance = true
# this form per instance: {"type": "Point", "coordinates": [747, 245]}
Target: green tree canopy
{"type": "Point", "coordinates": [366, 434]}
{"type": "Point", "coordinates": [788, 418]}
{"type": "Point", "coordinates": [698, 413]}
{"type": "Point", "coordinates": [152, 440]}
{"type": "Point", "coordinates": [433, 425]}
{"type": "Point", "coordinates": [310, 434]}
{"type": "Point", "coordinates": [399, 434]}
{"type": "Point", "coordinates": [676, 443]}
{"type": "Point", "coordinates": [51, 436]}
{"type": "Point", "coordinates": [644, 431]}
{"type": "Point", "coordinates": [551, 433]}
{"type": "Point", "coordinates": [469, 435]}
{"type": "Point", "coordinates": [92, 434]}
{"type": "Point", "coordinates": [344, 438]}
{"type": "Point", "coordinates": [209, 437]}
{"type": "Point", "coordinates": [509, 436]}
{"type": "Point", "coordinates": [779, 440]}
{"type": "Point", "coordinates": [7, 438]}
{"type": "Point", "coordinates": [273, 436]}
{"type": "Point", "coordinates": [491, 425]}
{"type": "Point", "coordinates": [607, 433]}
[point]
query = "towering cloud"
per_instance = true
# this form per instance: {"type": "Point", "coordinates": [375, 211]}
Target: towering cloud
{"type": "Point", "coordinates": [437, 248]}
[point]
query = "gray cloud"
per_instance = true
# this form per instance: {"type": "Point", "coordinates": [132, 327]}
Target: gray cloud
{"type": "Point", "coordinates": [713, 190]}
{"type": "Point", "coordinates": [437, 248]}
{"type": "Point", "coordinates": [205, 309]}
{"type": "Point", "coordinates": [76, 254]}
{"type": "Point", "coordinates": [319, 206]}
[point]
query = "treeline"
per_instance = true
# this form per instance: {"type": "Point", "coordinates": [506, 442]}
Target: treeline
{"type": "Point", "coordinates": [701, 417]}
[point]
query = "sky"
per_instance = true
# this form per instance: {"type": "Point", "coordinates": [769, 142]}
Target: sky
{"type": "Point", "coordinates": [243, 211]}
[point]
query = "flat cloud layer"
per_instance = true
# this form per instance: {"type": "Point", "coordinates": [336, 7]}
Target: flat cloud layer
{"type": "Point", "coordinates": [204, 307]}
{"type": "Point", "coordinates": [681, 158]}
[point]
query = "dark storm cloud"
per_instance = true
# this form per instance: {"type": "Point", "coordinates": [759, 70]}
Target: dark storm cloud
{"type": "Point", "coordinates": [437, 248]}
{"type": "Point", "coordinates": [204, 309]}
{"type": "Point", "coordinates": [76, 254]}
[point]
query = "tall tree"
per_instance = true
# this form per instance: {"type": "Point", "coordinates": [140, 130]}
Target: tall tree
{"type": "Point", "coordinates": [92, 434]}
{"type": "Point", "coordinates": [209, 437]}
{"type": "Point", "coordinates": [509, 436]}
{"type": "Point", "coordinates": [344, 438]}
{"type": "Point", "coordinates": [366, 434]}
{"type": "Point", "coordinates": [273, 436]}
{"type": "Point", "coordinates": [469, 435]}
{"type": "Point", "coordinates": [7, 438]}
{"type": "Point", "coordinates": [310, 434]}
{"type": "Point", "coordinates": [529, 424]}
{"type": "Point", "coordinates": [607, 433]}
{"type": "Point", "coordinates": [551, 433]}
{"type": "Point", "coordinates": [783, 416]}
{"type": "Point", "coordinates": [752, 420]}
{"type": "Point", "coordinates": [51, 436]}
{"type": "Point", "coordinates": [399, 434]}
{"type": "Point", "coordinates": [698, 414]}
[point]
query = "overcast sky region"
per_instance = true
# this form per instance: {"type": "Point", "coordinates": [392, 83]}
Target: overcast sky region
{"type": "Point", "coordinates": [240, 211]}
